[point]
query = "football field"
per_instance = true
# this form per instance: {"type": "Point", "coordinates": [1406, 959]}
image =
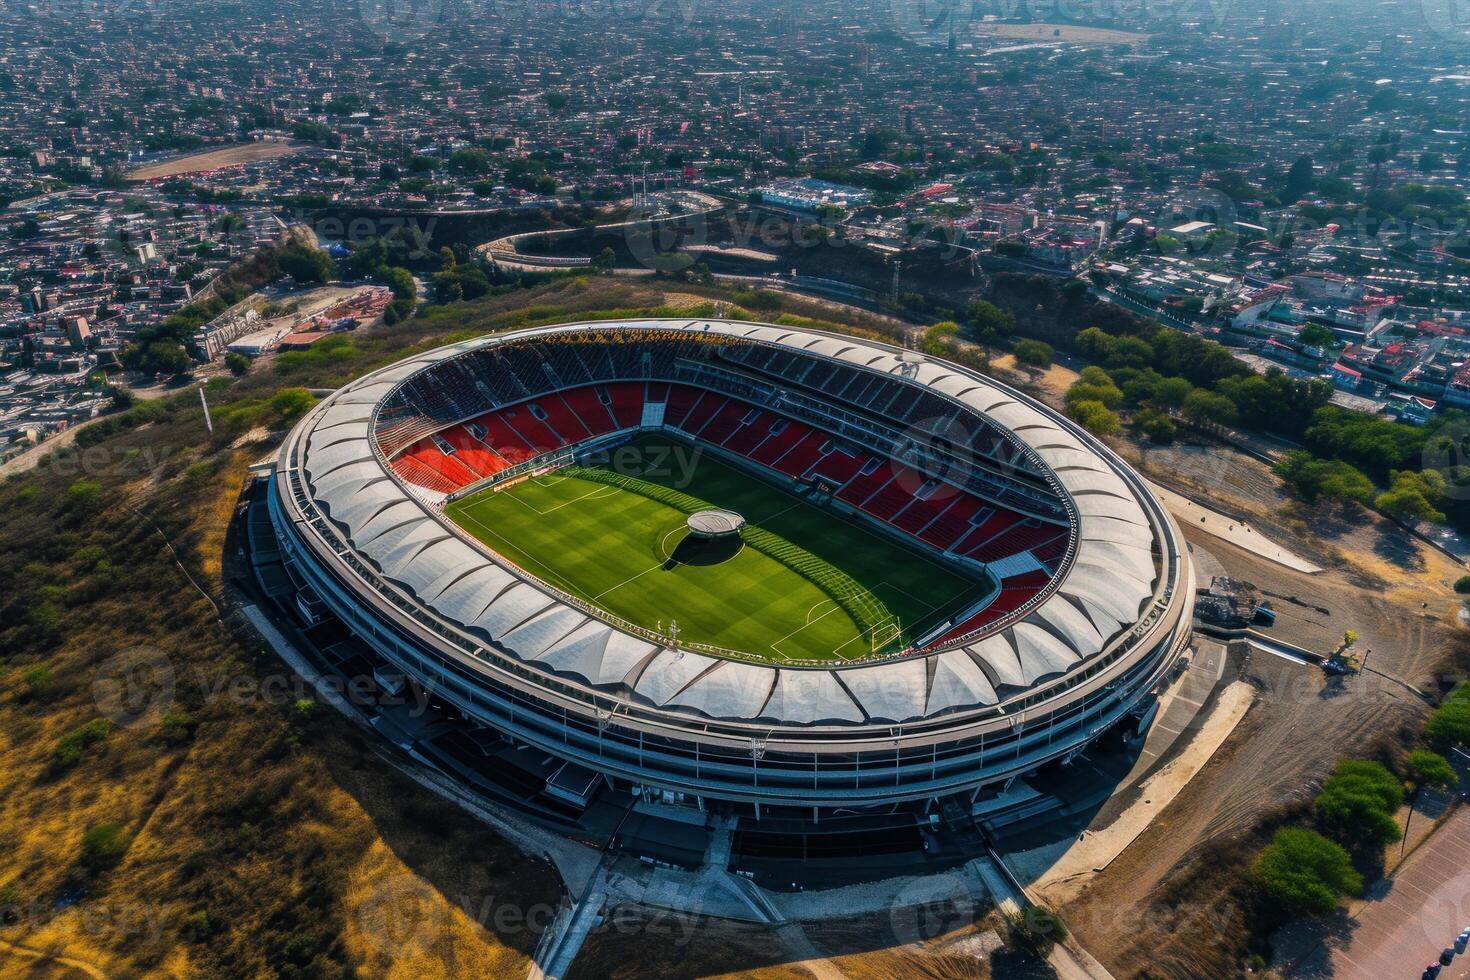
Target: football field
{"type": "Point", "coordinates": [803, 584]}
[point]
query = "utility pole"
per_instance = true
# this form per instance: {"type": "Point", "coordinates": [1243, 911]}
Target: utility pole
{"type": "Point", "coordinates": [208, 422]}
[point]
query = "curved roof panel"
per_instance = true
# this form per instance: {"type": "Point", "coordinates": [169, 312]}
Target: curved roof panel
{"type": "Point", "coordinates": [1109, 580]}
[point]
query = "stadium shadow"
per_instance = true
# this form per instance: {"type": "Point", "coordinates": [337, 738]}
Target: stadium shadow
{"type": "Point", "coordinates": [704, 551]}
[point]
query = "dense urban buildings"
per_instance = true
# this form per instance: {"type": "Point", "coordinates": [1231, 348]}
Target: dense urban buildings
{"type": "Point", "coordinates": [890, 487]}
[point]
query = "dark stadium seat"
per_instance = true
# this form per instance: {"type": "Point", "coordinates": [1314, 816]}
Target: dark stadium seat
{"type": "Point", "coordinates": [705, 407]}
{"type": "Point", "coordinates": [1000, 521]}
{"type": "Point", "coordinates": [803, 455]}
{"type": "Point", "coordinates": [777, 445]}
{"type": "Point", "coordinates": [627, 402]}
{"type": "Point", "coordinates": [682, 398]}
{"type": "Point", "coordinates": [505, 440]}
{"type": "Point", "coordinates": [724, 422]}
{"type": "Point", "coordinates": [751, 434]}
{"type": "Point", "coordinates": [893, 496]}
{"type": "Point", "coordinates": [919, 513]}
{"type": "Point", "coordinates": [952, 523]}
{"type": "Point", "coordinates": [562, 420]}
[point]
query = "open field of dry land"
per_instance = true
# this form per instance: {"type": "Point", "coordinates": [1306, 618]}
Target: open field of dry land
{"type": "Point", "coordinates": [216, 157]}
{"type": "Point", "coordinates": [1071, 33]}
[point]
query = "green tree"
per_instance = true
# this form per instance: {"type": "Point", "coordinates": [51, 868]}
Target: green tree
{"type": "Point", "coordinates": [1208, 408]}
{"type": "Point", "coordinates": [1413, 497]}
{"type": "Point", "coordinates": [1094, 416]}
{"type": "Point", "coordinates": [1449, 726]}
{"type": "Point", "coordinates": [238, 363]}
{"type": "Point", "coordinates": [306, 264]}
{"type": "Point", "coordinates": [1299, 180]}
{"type": "Point", "coordinates": [1170, 393]}
{"type": "Point", "coordinates": [1033, 353]}
{"type": "Point", "coordinates": [1314, 479]}
{"type": "Point", "coordinates": [447, 288]}
{"type": "Point", "coordinates": [1094, 344]}
{"type": "Point", "coordinates": [292, 403]}
{"type": "Point", "coordinates": [1109, 395]}
{"type": "Point", "coordinates": [400, 281]}
{"type": "Point", "coordinates": [1358, 802]}
{"type": "Point", "coordinates": [1316, 335]}
{"type": "Point", "coordinates": [989, 324]}
{"type": "Point", "coordinates": [1304, 873]}
{"type": "Point", "coordinates": [1430, 770]}
{"type": "Point", "coordinates": [1156, 425]}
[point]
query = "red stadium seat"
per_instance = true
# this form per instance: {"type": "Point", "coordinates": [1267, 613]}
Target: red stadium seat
{"type": "Point", "coordinates": [627, 402]}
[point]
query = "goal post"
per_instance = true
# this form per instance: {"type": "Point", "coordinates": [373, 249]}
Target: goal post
{"type": "Point", "coordinates": [884, 633]}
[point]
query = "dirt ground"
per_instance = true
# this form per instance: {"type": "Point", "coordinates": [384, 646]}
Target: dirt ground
{"type": "Point", "coordinates": [213, 159]}
{"type": "Point", "coordinates": [924, 944]}
{"type": "Point", "coordinates": [1381, 583]}
{"type": "Point", "coordinates": [1071, 33]}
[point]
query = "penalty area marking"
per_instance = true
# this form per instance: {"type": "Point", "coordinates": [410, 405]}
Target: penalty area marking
{"type": "Point", "coordinates": [596, 492]}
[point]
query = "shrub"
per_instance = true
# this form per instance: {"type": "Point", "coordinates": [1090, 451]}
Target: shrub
{"type": "Point", "coordinates": [1320, 479]}
{"type": "Point", "coordinates": [68, 751]}
{"type": "Point", "coordinates": [1358, 803]}
{"type": "Point", "coordinates": [1431, 770]}
{"type": "Point", "coordinates": [292, 403]}
{"type": "Point", "coordinates": [1450, 724]}
{"type": "Point", "coordinates": [1462, 585]}
{"type": "Point", "coordinates": [102, 847]}
{"type": "Point", "coordinates": [1034, 353]}
{"type": "Point", "coordinates": [1110, 395]}
{"type": "Point", "coordinates": [1305, 873]}
{"type": "Point", "coordinates": [238, 363]}
{"type": "Point", "coordinates": [40, 683]}
{"type": "Point", "coordinates": [1094, 416]}
{"type": "Point", "coordinates": [1037, 929]}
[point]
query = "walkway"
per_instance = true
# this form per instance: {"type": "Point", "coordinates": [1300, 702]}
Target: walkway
{"type": "Point", "coordinates": [1410, 917]}
{"type": "Point", "coordinates": [1238, 533]}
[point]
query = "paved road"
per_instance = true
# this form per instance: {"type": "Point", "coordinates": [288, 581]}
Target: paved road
{"type": "Point", "coordinates": [1418, 913]}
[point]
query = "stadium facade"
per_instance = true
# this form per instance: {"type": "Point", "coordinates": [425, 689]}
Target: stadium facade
{"type": "Point", "coordinates": [1086, 611]}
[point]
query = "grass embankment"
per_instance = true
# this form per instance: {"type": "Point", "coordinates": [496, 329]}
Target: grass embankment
{"type": "Point", "coordinates": [237, 828]}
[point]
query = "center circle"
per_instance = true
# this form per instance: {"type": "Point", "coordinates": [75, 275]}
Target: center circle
{"type": "Point", "coordinates": [715, 523]}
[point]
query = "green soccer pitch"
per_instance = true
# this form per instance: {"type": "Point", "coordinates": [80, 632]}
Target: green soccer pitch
{"type": "Point", "coordinates": [805, 583]}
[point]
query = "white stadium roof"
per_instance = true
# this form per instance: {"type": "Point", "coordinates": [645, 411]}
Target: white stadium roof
{"type": "Point", "coordinates": [1104, 591]}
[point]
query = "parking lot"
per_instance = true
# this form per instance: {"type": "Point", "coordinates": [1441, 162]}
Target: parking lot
{"type": "Point", "coordinates": [1411, 917]}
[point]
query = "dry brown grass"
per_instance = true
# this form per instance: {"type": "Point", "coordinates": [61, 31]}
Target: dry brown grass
{"type": "Point", "coordinates": [213, 159]}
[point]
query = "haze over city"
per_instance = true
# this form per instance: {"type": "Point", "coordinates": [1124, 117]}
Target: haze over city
{"type": "Point", "coordinates": [657, 488]}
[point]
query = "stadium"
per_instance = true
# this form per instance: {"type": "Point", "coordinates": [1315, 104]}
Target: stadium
{"type": "Point", "coordinates": [760, 569]}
